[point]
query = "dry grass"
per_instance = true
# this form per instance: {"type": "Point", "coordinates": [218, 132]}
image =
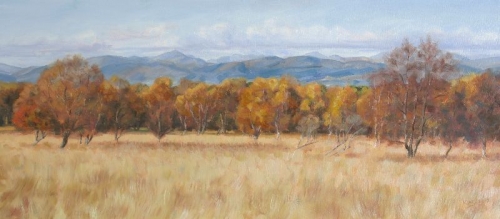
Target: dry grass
{"type": "Point", "coordinates": [212, 176]}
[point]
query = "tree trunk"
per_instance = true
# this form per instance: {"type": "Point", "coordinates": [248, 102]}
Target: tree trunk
{"type": "Point", "coordinates": [410, 151]}
{"type": "Point", "coordinates": [65, 138]}
{"type": "Point", "coordinates": [338, 135]}
{"type": "Point", "coordinates": [484, 148]}
{"type": "Point", "coordinates": [256, 133]}
{"type": "Point", "coordinates": [223, 123]}
{"type": "Point", "coordinates": [88, 139]}
{"type": "Point", "coordinates": [39, 135]}
{"type": "Point", "coordinates": [449, 149]}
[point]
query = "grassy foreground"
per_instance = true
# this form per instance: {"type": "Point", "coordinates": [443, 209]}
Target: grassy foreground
{"type": "Point", "coordinates": [212, 176]}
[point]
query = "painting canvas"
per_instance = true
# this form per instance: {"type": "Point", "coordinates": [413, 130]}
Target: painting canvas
{"type": "Point", "coordinates": [249, 109]}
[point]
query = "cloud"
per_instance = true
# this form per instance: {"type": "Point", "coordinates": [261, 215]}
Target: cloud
{"type": "Point", "coordinates": [273, 34]}
{"type": "Point", "coordinates": [118, 41]}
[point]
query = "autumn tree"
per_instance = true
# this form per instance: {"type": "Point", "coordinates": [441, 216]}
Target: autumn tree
{"type": "Point", "coordinates": [199, 102]}
{"type": "Point", "coordinates": [182, 112]}
{"type": "Point", "coordinates": [482, 100]}
{"type": "Point", "coordinates": [307, 126]}
{"type": "Point", "coordinates": [341, 113]}
{"type": "Point", "coordinates": [29, 116]}
{"type": "Point", "coordinates": [227, 94]}
{"type": "Point", "coordinates": [451, 119]}
{"type": "Point", "coordinates": [255, 110]}
{"type": "Point", "coordinates": [120, 102]}
{"type": "Point", "coordinates": [138, 109]}
{"type": "Point", "coordinates": [311, 105]}
{"type": "Point", "coordinates": [68, 89]}
{"type": "Point", "coordinates": [372, 106]}
{"type": "Point", "coordinates": [311, 98]}
{"type": "Point", "coordinates": [413, 78]}
{"type": "Point", "coordinates": [160, 107]}
{"type": "Point", "coordinates": [267, 104]}
{"type": "Point", "coordinates": [9, 93]}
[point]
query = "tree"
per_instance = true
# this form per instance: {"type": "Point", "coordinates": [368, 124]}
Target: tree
{"type": "Point", "coordinates": [9, 93]}
{"type": "Point", "coordinates": [372, 106]}
{"type": "Point", "coordinates": [200, 103]}
{"type": "Point", "coordinates": [282, 101]}
{"type": "Point", "coordinates": [255, 109]}
{"type": "Point", "coordinates": [311, 96]}
{"type": "Point", "coordinates": [307, 127]}
{"type": "Point", "coordinates": [482, 100]}
{"type": "Point", "coordinates": [138, 109]}
{"type": "Point", "coordinates": [227, 94]}
{"type": "Point", "coordinates": [452, 114]}
{"type": "Point", "coordinates": [180, 103]}
{"type": "Point", "coordinates": [68, 90]}
{"type": "Point", "coordinates": [341, 111]}
{"type": "Point", "coordinates": [160, 107]}
{"type": "Point", "coordinates": [413, 78]}
{"type": "Point", "coordinates": [311, 104]}
{"type": "Point", "coordinates": [267, 104]}
{"type": "Point", "coordinates": [119, 100]}
{"type": "Point", "coordinates": [28, 116]}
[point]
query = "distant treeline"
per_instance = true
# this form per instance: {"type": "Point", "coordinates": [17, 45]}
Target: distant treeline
{"type": "Point", "coordinates": [418, 95]}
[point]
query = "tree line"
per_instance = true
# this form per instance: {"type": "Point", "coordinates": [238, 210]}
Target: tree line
{"type": "Point", "coordinates": [419, 94]}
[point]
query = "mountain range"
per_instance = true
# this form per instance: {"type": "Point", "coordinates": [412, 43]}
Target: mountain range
{"type": "Point", "coordinates": [329, 70]}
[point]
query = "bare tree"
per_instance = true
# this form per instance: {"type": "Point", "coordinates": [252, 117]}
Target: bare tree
{"type": "Point", "coordinates": [413, 78]}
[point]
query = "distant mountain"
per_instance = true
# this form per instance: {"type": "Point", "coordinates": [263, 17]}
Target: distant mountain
{"type": "Point", "coordinates": [8, 69]}
{"type": "Point", "coordinates": [7, 78]}
{"type": "Point", "coordinates": [176, 57]}
{"type": "Point", "coordinates": [484, 63]}
{"type": "Point", "coordinates": [317, 55]}
{"type": "Point", "coordinates": [379, 57]}
{"type": "Point", "coordinates": [234, 58]}
{"type": "Point", "coordinates": [329, 70]}
{"type": "Point", "coordinates": [29, 74]}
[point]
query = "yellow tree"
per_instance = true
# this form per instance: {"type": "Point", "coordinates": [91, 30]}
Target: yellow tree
{"type": "Point", "coordinates": [200, 103]}
{"type": "Point", "coordinates": [340, 113]}
{"type": "Point", "coordinates": [282, 101]}
{"type": "Point", "coordinates": [372, 106]}
{"type": "Point", "coordinates": [255, 109]}
{"type": "Point", "coordinates": [311, 96]}
{"type": "Point", "coordinates": [311, 104]}
{"type": "Point", "coordinates": [69, 90]}
{"type": "Point", "coordinates": [160, 107]}
{"type": "Point", "coordinates": [181, 105]}
{"type": "Point", "coordinates": [140, 112]}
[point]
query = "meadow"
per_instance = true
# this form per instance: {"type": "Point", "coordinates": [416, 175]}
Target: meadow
{"type": "Point", "coordinates": [233, 176]}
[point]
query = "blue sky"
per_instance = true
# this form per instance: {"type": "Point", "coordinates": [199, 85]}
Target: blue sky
{"type": "Point", "coordinates": [36, 32]}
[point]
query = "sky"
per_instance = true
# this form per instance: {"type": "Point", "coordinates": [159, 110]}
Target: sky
{"type": "Point", "coordinates": [36, 32]}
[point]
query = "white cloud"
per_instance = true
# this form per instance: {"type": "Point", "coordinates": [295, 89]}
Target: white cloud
{"type": "Point", "coordinates": [274, 37]}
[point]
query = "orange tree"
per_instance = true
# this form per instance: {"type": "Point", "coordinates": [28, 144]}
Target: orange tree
{"type": "Point", "coordinates": [160, 107]}
{"type": "Point", "coordinates": [69, 90]}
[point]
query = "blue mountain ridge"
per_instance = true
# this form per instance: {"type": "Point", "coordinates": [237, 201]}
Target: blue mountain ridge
{"type": "Point", "coordinates": [333, 70]}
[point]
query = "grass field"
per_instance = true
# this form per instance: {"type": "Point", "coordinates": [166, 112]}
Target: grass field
{"type": "Point", "coordinates": [232, 176]}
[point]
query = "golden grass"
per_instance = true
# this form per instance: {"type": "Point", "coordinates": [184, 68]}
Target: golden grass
{"type": "Point", "coordinates": [232, 176]}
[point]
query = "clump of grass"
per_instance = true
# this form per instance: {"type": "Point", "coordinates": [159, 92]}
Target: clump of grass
{"type": "Point", "coordinates": [210, 176]}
